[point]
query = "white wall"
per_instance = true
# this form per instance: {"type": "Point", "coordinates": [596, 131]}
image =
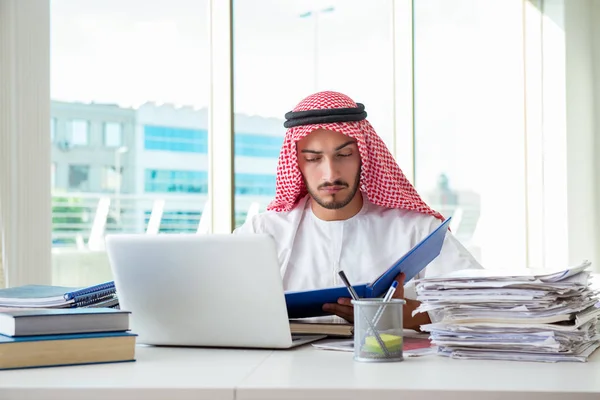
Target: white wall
{"type": "Point", "coordinates": [596, 60]}
{"type": "Point", "coordinates": [582, 58]}
{"type": "Point", "coordinates": [580, 107]}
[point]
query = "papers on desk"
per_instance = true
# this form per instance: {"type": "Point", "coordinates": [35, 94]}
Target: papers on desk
{"type": "Point", "coordinates": [413, 346]}
{"type": "Point", "coordinates": [507, 315]}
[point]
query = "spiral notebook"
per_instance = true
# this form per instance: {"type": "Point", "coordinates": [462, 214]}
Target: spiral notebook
{"type": "Point", "coordinates": [53, 296]}
{"type": "Point", "coordinates": [86, 292]}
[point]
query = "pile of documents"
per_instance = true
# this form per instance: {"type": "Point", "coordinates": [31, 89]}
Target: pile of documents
{"type": "Point", "coordinates": [503, 315]}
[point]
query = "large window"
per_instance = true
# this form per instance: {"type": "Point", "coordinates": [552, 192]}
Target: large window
{"type": "Point", "coordinates": [129, 82]}
{"type": "Point", "coordinates": [141, 98]}
{"type": "Point", "coordinates": [287, 50]}
{"type": "Point", "coordinates": [469, 122]}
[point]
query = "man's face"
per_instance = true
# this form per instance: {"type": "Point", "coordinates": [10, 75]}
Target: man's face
{"type": "Point", "coordinates": [330, 164]}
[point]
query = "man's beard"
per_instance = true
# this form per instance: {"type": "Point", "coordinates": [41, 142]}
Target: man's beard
{"type": "Point", "coordinates": [335, 204]}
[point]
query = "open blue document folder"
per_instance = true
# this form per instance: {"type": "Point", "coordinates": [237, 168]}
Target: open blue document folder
{"type": "Point", "coordinates": [309, 303]}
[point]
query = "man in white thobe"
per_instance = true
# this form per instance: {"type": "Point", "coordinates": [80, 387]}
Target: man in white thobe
{"type": "Point", "coordinates": [342, 203]}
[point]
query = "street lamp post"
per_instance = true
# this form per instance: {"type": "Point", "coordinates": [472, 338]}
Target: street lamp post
{"type": "Point", "coordinates": [315, 14]}
{"type": "Point", "coordinates": [118, 152]}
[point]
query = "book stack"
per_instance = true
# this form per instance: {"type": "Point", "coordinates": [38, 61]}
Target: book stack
{"type": "Point", "coordinates": [38, 337]}
{"type": "Point", "coordinates": [508, 315]}
{"type": "Point", "coordinates": [43, 296]}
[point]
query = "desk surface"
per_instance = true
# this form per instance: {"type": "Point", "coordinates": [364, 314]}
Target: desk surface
{"type": "Point", "coordinates": [193, 373]}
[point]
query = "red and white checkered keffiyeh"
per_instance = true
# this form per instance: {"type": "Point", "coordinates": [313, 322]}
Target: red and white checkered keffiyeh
{"type": "Point", "coordinates": [381, 179]}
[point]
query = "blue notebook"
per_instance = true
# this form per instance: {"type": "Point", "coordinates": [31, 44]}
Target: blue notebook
{"type": "Point", "coordinates": [46, 295]}
{"type": "Point", "coordinates": [309, 303]}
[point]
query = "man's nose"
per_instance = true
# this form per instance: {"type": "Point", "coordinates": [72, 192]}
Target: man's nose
{"type": "Point", "coordinates": [329, 170]}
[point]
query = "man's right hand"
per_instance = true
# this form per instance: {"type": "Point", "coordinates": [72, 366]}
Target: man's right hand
{"type": "Point", "coordinates": [343, 308]}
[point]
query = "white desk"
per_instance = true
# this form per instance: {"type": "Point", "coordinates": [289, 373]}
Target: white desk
{"type": "Point", "coordinates": [157, 373]}
{"type": "Point", "coordinates": [307, 374]}
{"type": "Point", "coordinates": [304, 373]}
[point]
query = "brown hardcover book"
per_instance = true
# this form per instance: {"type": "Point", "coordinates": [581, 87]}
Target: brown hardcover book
{"type": "Point", "coordinates": [328, 325]}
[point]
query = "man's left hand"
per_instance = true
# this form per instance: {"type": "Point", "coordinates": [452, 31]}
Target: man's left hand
{"type": "Point", "coordinates": [343, 308]}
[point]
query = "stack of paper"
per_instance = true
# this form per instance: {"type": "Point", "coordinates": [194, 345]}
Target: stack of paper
{"type": "Point", "coordinates": [506, 315]}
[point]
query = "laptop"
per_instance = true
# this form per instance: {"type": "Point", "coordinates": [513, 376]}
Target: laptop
{"type": "Point", "coordinates": [202, 290]}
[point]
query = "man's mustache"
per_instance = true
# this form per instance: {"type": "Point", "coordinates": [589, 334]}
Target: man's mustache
{"type": "Point", "coordinates": [334, 183]}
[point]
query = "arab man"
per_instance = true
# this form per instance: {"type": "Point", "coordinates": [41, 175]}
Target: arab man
{"type": "Point", "coordinates": [342, 203]}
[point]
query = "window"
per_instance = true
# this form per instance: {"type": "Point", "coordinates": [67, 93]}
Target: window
{"type": "Point", "coordinates": [79, 177]}
{"type": "Point", "coordinates": [166, 138]}
{"type": "Point", "coordinates": [466, 68]}
{"type": "Point", "coordinates": [256, 145]}
{"type": "Point", "coordinates": [469, 122]}
{"type": "Point", "coordinates": [255, 184]}
{"type": "Point", "coordinates": [80, 133]}
{"type": "Point", "coordinates": [130, 79]}
{"type": "Point", "coordinates": [170, 181]}
{"type": "Point", "coordinates": [113, 134]}
{"type": "Point", "coordinates": [302, 49]}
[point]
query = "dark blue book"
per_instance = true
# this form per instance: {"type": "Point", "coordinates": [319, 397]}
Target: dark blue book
{"type": "Point", "coordinates": [309, 303]}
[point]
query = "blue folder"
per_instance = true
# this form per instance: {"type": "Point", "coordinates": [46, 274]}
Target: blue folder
{"type": "Point", "coordinates": [302, 304]}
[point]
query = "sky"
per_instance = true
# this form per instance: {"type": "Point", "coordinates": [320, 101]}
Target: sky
{"type": "Point", "coordinates": [467, 65]}
{"type": "Point", "coordinates": [132, 51]}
